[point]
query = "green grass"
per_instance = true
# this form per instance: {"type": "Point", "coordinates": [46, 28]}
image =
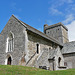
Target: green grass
{"type": "Point", "coordinates": [21, 70]}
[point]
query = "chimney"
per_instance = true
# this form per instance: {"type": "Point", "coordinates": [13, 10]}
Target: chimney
{"type": "Point", "coordinates": [45, 26]}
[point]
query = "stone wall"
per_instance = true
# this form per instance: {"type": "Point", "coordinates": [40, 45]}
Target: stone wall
{"type": "Point", "coordinates": [57, 55]}
{"type": "Point", "coordinates": [45, 46]}
{"type": "Point", "coordinates": [33, 39]}
{"type": "Point", "coordinates": [64, 35]}
{"type": "Point", "coordinates": [54, 32]}
{"type": "Point", "coordinates": [68, 52]}
{"type": "Point", "coordinates": [70, 60]}
{"type": "Point", "coordinates": [43, 59]}
{"type": "Point", "coordinates": [19, 42]}
{"type": "Point", "coordinates": [58, 32]}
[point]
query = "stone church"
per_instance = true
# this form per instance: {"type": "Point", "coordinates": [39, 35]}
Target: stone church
{"type": "Point", "coordinates": [21, 44]}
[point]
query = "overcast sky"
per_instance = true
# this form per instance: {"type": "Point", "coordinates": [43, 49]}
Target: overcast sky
{"type": "Point", "coordinates": [36, 13]}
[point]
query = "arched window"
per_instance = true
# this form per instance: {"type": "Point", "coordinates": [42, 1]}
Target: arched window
{"type": "Point", "coordinates": [38, 51]}
{"type": "Point", "coordinates": [9, 43]}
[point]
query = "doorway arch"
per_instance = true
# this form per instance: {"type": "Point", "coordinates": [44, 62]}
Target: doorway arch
{"type": "Point", "coordinates": [9, 60]}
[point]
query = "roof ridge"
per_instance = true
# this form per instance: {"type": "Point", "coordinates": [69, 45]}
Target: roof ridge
{"type": "Point", "coordinates": [42, 33]}
{"type": "Point", "coordinates": [47, 37]}
{"type": "Point", "coordinates": [19, 21]}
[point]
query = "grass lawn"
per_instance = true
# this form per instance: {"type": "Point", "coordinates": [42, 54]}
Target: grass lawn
{"type": "Point", "coordinates": [21, 70]}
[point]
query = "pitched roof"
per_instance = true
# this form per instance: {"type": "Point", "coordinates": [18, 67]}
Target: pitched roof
{"type": "Point", "coordinates": [68, 47]}
{"type": "Point", "coordinates": [52, 53]}
{"type": "Point", "coordinates": [38, 32]}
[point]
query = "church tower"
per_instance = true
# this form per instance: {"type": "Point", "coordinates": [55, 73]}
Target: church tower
{"type": "Point", "coordinates": [58, 31]}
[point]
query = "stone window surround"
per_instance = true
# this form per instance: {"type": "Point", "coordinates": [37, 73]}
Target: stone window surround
{"type": "Point", "coordinates": [7, 41]}
{"type": "Point", "coordinates": [37, 48]}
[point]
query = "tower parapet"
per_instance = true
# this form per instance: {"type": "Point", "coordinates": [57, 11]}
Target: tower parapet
{"type": "Point", "coordinates": [58, 31]}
